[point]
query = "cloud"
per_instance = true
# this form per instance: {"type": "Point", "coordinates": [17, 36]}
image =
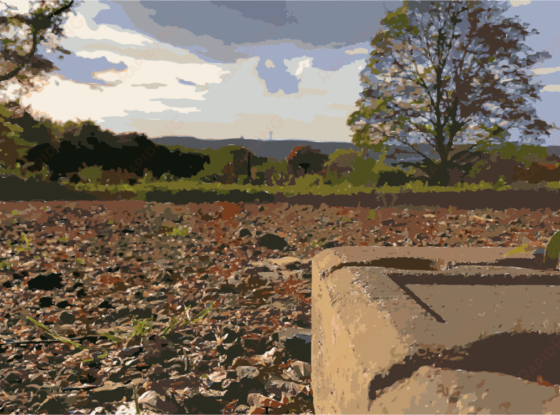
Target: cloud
{"type": "Point", "coordinates": [297, 65]}
{"type": "Point", "coordinates": [150, 51]}
{"type": "Point", "coordinates": [155, 85]}
{"type": "Point", "coordinates": [145, 71]}
{"type": "Point", "coordinates": [357, 51]}
{"type": "Point", "coordinates": [545, 71]}
{"type": "Point", "coordinates": [551, 88]}
{"type": "Point", "coordinates": [238, 26]}
{"type": "Point", "coordinates": [166, 84]}
{"type": "Point", "coordinates": [265, 11]}
{"type": "Point", "coordinates": [517, 3]}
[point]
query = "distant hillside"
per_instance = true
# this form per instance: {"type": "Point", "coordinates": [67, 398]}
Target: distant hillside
{"type": "Point", "coordinates": [280, 149]}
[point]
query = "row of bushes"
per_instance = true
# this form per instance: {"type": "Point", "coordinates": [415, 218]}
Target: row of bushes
{"type": "Point", "coordinates": [84, 153]}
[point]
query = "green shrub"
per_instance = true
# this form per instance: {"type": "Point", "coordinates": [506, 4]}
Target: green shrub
{"type": "Point", "coordinates": [394, 178]}
{"type": "Point", "coordinates": [93, 174]}
{"type": "Point", "coordinates": [363, 172]}
{"type": "Point", "coordinates": [523, 153]}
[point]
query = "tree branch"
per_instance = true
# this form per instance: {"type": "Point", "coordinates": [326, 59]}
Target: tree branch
{"type": "Point", "coordinates": [35, 42]}
{"type": "Point", "coordinates": [25, 60]}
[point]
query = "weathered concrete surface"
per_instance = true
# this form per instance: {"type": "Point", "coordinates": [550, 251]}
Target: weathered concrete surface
{"type": "Point", "coordinates": [452, 329]}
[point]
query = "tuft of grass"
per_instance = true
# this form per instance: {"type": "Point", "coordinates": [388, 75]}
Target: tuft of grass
{"type": "Point", "coordinates": [179, 231]}
{"type": "Point", "coordinates": [56, 336]}
{"type": "Point", "coordinates": [23, 238]}
{"type": "Point", "coordinates": [184, 319]}
{"type": "Point", "coordinates": [371, 214]}
{"type": "Point", "coordinates": [142, 327]}
{"type": "Point", "coordinates": [316, 244]}
{"type": "Point", "coordinates": [5, 265]}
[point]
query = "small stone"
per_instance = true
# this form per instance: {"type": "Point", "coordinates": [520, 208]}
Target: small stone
{"type": "Point", "coordinates": [106, 304]}
{"type": "Point", "coordinates": [271, 241]}
{"type": "Point", "coordinates": [14, 377]}
{"type": "Point", "coordinates": [302, 370]}
{"type": "Point", "coordinates": [45, 302]}
{"type": "Point", "coordinates": [111, 392]}
{"type": "Point", "coordinates": [241, 409]}
{"type": "Point", "coordinates": [63, 304]}
{"type": "Point", "coordinates": [299, 347]}
{"type": "Point", "coordinates": [244, 232]}
{"type": "Point", "coordinates": [67, 318]}
{"type": "Point", "coordinates": [247, 372]}
{"type": "Point", "coordinates": [45, 282]}
{"type": "Point", "coordinates": [153, 401]}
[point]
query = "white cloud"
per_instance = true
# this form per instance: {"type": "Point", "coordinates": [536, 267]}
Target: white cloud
{"type": "Point", "coordinates": [297, 65]}
{"type": "Point", "coordinates": [108, 32]}
{"type": "Point", "coordinates": [551, 88]}
{"type": "Point", "coordinates": [80, 101]}
{"type": "Point", "coordinates": [357, 51]}
{"type": "Point", "coordinates": [20, 6]}
{"type": "Point", "coordinates": [317, 112]}
{"type": "Point", "coordinates": [147, 71]}
{"type": "Point", "coordinates": [545, 71]}
{"type": "Point", "coordinates": [517, 3]}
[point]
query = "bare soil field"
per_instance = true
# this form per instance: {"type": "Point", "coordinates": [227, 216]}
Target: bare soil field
{"type": "Point", "coordinates": [125, 282]}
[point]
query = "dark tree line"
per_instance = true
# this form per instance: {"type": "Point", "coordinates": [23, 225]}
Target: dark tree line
{"type": "Point", "coordinates": [133, 153]}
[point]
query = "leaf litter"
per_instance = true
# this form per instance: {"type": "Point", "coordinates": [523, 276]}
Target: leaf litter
{"type": "Point", "coordinates": [131, 307]}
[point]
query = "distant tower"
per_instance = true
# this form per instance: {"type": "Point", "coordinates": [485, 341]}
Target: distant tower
{"type": "Point", "coordinates": [242, 138]}
{"type": "Point", "coordinates": [270, 139]}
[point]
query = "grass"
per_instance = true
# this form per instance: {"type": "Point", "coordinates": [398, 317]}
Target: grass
{"type": "Point", "coordinates": [5, 265]}
{"type": "Point", "coordinates": [23, 238]}
{"type": "Point", "coordinates": [136, 405]}
{"type": "Point", "coordinates": [56, 336]}
{"type": "Point", "coordinates": [179, 231]}
{"type": "Point", "coordinates": [140, 327]}
{"type": "Point", "coordinates": [184, 319]}
{"type": "Point", "coordinates": [311, 184]}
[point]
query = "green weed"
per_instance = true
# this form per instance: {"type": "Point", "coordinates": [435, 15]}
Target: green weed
{"type": "Point", "coordinates": [5, 265]}
{"type": "Point", "coordinates": [182, 231]}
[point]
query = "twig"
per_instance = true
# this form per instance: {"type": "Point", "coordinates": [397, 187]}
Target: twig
{"type": "Point", "coordinates": [80, 388]}
{"type": "Point", "coordinates": [90, 338]}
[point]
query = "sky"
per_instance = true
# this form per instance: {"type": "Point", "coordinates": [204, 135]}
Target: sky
{"type": "Point", "coordinates": [226, 69]}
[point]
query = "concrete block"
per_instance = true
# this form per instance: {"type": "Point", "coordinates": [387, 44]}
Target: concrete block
{"type": "Point", "coordinates": [434, 330]}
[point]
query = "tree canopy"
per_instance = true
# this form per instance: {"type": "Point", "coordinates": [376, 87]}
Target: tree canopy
{"type": "Point", "coordinates": [306, 158]}
{"type": "Point", "coordinates": [23, 33]}
{"type": "Point", "coordinates": [448, 73]}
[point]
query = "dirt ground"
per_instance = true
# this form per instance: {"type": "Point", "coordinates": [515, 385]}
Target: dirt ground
{"type": "Point", "coordinates": [97, 272]}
